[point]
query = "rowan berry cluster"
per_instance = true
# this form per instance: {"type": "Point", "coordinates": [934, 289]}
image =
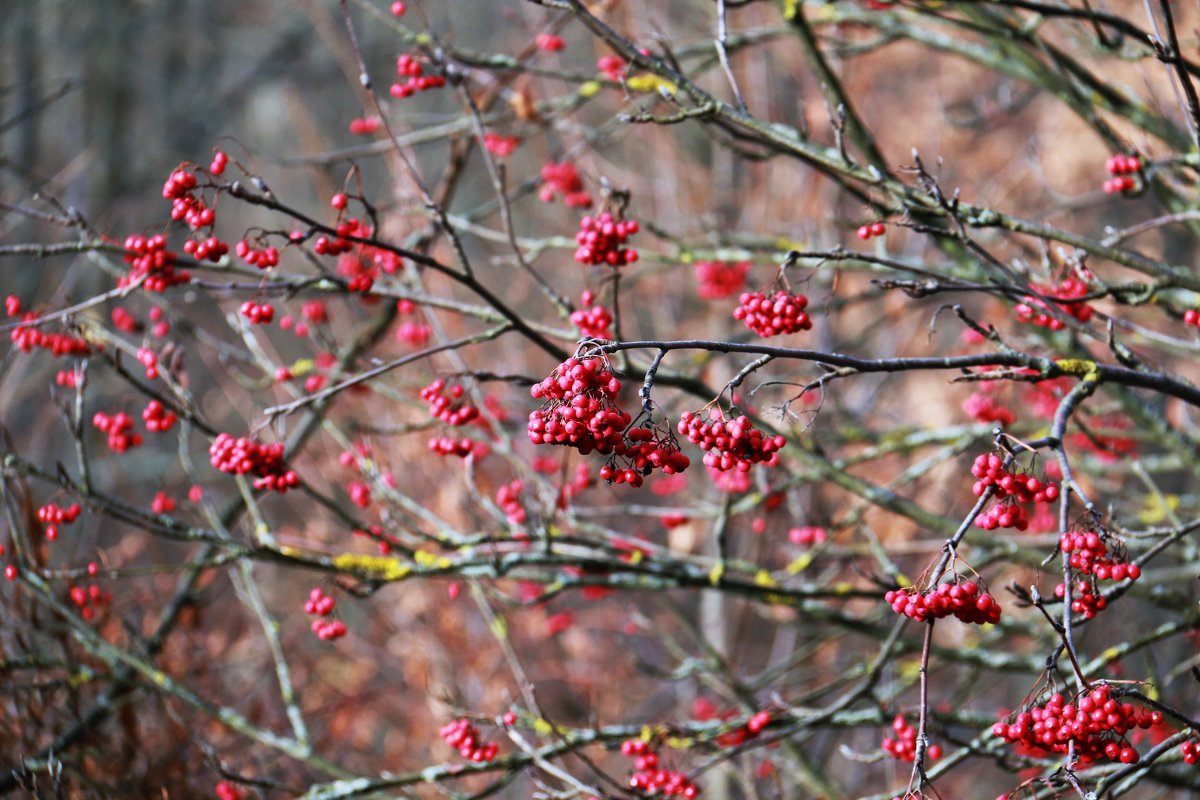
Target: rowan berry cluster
{"type": "Point", "coordinates": [1121, 167]}
{"type": "Point", "coordinates": [156, 417]}
{"type": "Point", "coordinates": [500, 146]}
{"type": "Point", "coordinates": [414, 334]}
{"type": "Point", "coordinates": [1086, 597]}
{"type": "Point", "coordinates": [807, 535]}
{"type": "Point", "coordinates": [149, 258]}
{"type": "Point", "coordinates": [52, 516]}
{"type": "Point", "coordinates": [602, 240]}
{"type": "Point", "coordinates": [1096, 724]}
{"type": "Point", "coordinates": [757, 723]}
{"type": "Point", "coordinates": [210, 249]}
{"type": "Point", "coordinates": [149, 360]}
{"type": "Point", "coordinates": [1089, 554]}
{"type": "Point", "coordinates": [119, 428]}
{"type": "Point", "coordinates": [644, 450]}
{"type": "Point", "coordinates": [508, 497]}
{"type": "Point", "coordinates": [550, 42]}
{"type": "Point", "coordinates": [243, 456]}
{"type": "Point", "coordinates": [611, 67]}
{"type": "Point", "coordinates": [415, 79]}
{"type": "Point", "coordinates": [1011, 489]}
{"type": "Point", "coordinates": [465, 738]}
{"type": "Point", "coordinates": [1190, 750]}
{"type": "Point", "coordinates": [364, 126]}
{"type": "Point", "coordinates": [325, 246]}
{"type": "Point", "coordinates": [186, 206]}
{"type": "Point", "coordinates": [445, 446]}
{"type": "Point", "coordinates": [162, 503]}
{"type": "Point", "coordinates": [563, 179]}
{"type": "Point", "coordinates": [865, 232]}
{"type": "Point", "coordinates": [321, 605]}
{"type": "Point", "coordinates": [595, 321]}
{"type": "Point", "coordinates": [219, 162]}
{"type": "Point", "coordinates": [360, 493]}
{"type": "Point", "coordinates": [1192, 317]}
{"type": "Point", "coordinates": [904, 746]}
{"type": "Point", "coordinates": [27, 337]}
{"type": "Point", "coordinates": [719, 279]}
{"type": "Point", "coordinates": [580, 409]}
{"type": "Point", "coordinates": [89, 600]}
{"type": "Point", "coordinates": [1033, 309]}
{"type": "Point", "coordinates": [257, 313]}
{"type": "Point", "coordinates": [261, 257]}
{"type": "Point", "coordinates": [772, 315]}
{"type": "Point", "coordinates": [447, 404]}
{"type": "Point", "coordinates": [730, 444]}
{"type": "Point", "coordinates": [984, 408]}
{"type": "Point", "coordinates": [648, 776]}
{"type": "Point", "coordinates": [962, 599]}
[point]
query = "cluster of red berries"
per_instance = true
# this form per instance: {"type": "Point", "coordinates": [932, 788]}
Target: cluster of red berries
{"type": "Point", "coordinates": [27, 337]}
{"type": "Point", "coordinates": [1090, 555]}
{"type": "Point", "coordinates": [551, 43]}
{"type": "Point", "coordinates": [602, 241]}
{"type": "Point", "coordinates": [243, 456]}
{"type": "Point", "coordinates": [156, 418]}
{"type": "Point", "coordinates": [227, 791]}
{"type": "Point", "coordinates": [563, 179]}
{"type": "Point", "coordinates": [464, 737]}
{"type": "Point", "coordinates": [351, 226]}
{"type": "Point", "coordinates": [162, 503]}
{"type": "Point", "coordinates": [210, 249]}
{"type": "Point", "coordinates": [89, 600]}
{"type": "Point", "coordinates": [644, 450]}
{"type": "Point", "coordinates": [730, 444]}
{"type": "Point", "coordinates": [360, 494]}
{"type": "Point", "coordinates": [52, 516]}
{"type": "Point", "coordinates": [125, 322]}
{"type": "Point", "coordinates": [1033, 309]}
{"type": "Point", "coordinates": [1191, 752]}
{"type": "Point", "coordinates": [414, 334]}
{"type": "Point", "coordinates": [65, 377]}
{"type": "Point", "coordinates": [119, 428]}
{"type": "Point", "coordinates": [149, 360]}
{"type": "Point", "coordinates": [580, 409]}
{"type": "Point", "coordinates": [720, 279]}
{"type": "Point", "coordinates": [364, 126]}
{"type": "Point", "coordinates": [186, 206]}
{"type": "Point", "coordinates": [595, 321]}
{"type": "Point", "coordinates": [612, 67]}
{"type": "Point", "coordinates": [904, 746]}
{"type": "Point", "coordinates": [448, 407]}
{"type": "Point", "coordinates": [1121, 167]}
{"type": "Point", "coordinates": [1086, 597]}
{"type": "Point", "coordinates": [865, 232]}
{"type": "Point", "coordinates": [416, 80]}
{"type": "Point", "coordinates": [508, 497]}
{"type": "Point", "coordinates": [500, 146]}
{"type": "Point", "coordinates": [321, 605]}
{"type": "Point", "coordinates": [963, 600]}
{"type": "Point", "coordinates": [261, 257]}
{"type": "Point", "coordinates": [445, 446]}
{"type": "Point", "coordinates": [757, 723]}
{"type": "Point", "coordinates": [984, 408]}
{"type": "Point", "coordinates": [1011, 489]}
{"type": "Point", "coordinates": [257, 313]}
{"type": "Point", "coordinates": [1096, 724]}
{"type": "Point", "coordinates": [149, 257]}
{"type": "Point", "coordinates": [649, 777]}
{"type": "Point", "coordinates": [807, 535]}
{"type": "Point", "coordinates": [780, 313]}
{"type": "Point", "coordinates": [219, 162]}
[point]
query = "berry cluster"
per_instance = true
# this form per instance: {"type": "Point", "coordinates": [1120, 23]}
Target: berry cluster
{"type": "Point", "coordinates": [464, 737]}
{"type": "Point", "coordinates": [984, 408]}
{"type": "Point", "coordinates": [65, 377]}
{"type": "Point", "coordinates": [595, 321]}
{"type": "Point", "coordinates": [321, 605]}
{"type": "Point", "coordinates": [757, 723]}
{"type": "Point", "coordinates": [1090, 555]}
{"type": "Point", "coordinates": [243, 456]}
{"type": "Point", "coordinates": [720, 279]}
{"type": "Point", "coordinates": [257, 313]}
{"type": "Point", "coordinates": [148, 359]}
{"type": "Point", "coordinates": [1121, 167]}
{"type": "Point", "coordinates": [865, 232]}
{"type": "Point", "coordinates": [1097, 725]}
{"type": "Point", "coordinates": [508, 497]}
{"type": "Point", "coordinates": [551, 43]}
{"type": "Point", "coordinates": [52, 516]}
{"type": "Point", "coordinates": [162, 503]}
{"type": "Point", "coordinates": [185, 205]}
{"type": "Point", "coordinates": [261, 257]}
{"type": "Point", "coordinates": [602, 241]}
{"type": "Point", "coordinates": [414, 334]}
{"type": "Point", "coordinates": [730, 444]}
{"type": "Point", "coordinates": [1086, 598]}
{"type": "Point", "coordinates": [449, 408]}
{"type": "Point", "coordinates": [644, 450]}
{"type": "Point", "coordinates": [27, 337]}
{"type": "Point", "coordinates": [807, 536]}
{"type": "Point", "coordinates": [649, 777]}
{"type": "Point", "coordinates": [360, 493]}
{"type": "Point", "coordinates": [500, 146]}
{"type": "Point", "coordinates": [210, 249]}
{"type": "Point", "coordinates": [324, 246]}
{"type": "Point", "coordinates": [364, 126]}
{"type": "Point", "coordinates": [119, 428]}
{"type": "Point", "coordinates": [780, 313]}
{"type": "Point", "coordinates": [963, 599]}
{"type": "Point", "coordinates": [156, 418]}
{"type": "Point", "coordinates": [1011, 488]}
{"type": "Point", "coordinates": [227, 791]}
{"type": "Point", "coordinates": [1033, 309]}
{"type": "Point", "coordinates": [611, 67]}
{"type": "Point", "coordinates": [1190, 750]}
{"type": "Point", "coordinates": [416, 80]}
{"type": "Point", "coordinates": [149, 257]}
{"type": "Point", "coordinates": [562, 178]}
{"type": "Point", "coordinates": [219, 162]}
{"type": "Point", "coordinates": [904, 746]}
{"type": "Point", "coordinates": [580, 409]}
{"type": "Point", "coordinates": [445, 446]}
{"type": "Point", "coordinates": [89, 600]}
